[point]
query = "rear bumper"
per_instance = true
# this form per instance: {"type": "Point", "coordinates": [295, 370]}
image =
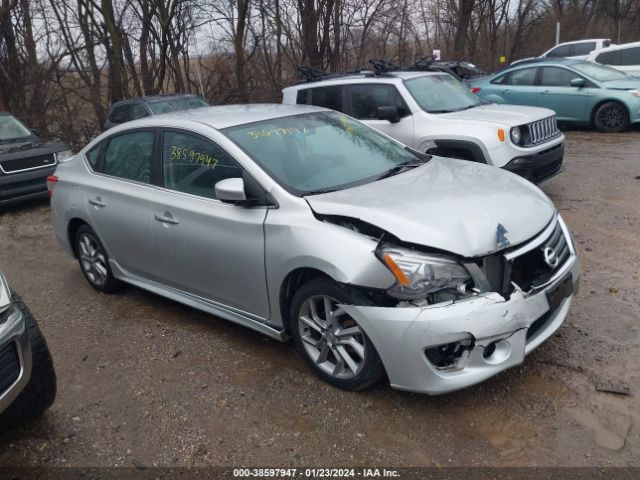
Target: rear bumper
{"type": "Point", "coordinates": [24, 185]}
{"type": "Point", "coordinates": [15, 356]}
{"type": "Point", "coordinates": [539, 166]}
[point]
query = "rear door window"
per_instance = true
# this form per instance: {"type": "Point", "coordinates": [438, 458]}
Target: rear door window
{"type": "Point", "coordinates": [192, 164]}
{"type": "Point", "coordinates": [630, 56]}
{"type": "Point", "coordinates": [301, 97]}
{"type": "Point", "coordinates": [561, 51]}
{"type": "Point", "coordinates": [557, 77]}
{"type": "Point", "coordinates": [523, 77]}
{"type": "Point", "coordinates": [365, 100]}
{"type": "Point", "coordinates": [129, 156]}
{"type": "Point", "coordinates": [583, 48]}
{"type": "Point", "coordinates": [93, 155]}
{"type": "Point", "coordinates": [609, 58]}
{"type": "Point", "coordinates": [328, 97]}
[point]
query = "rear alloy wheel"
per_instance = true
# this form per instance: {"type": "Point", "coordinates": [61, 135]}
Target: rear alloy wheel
{"type": "Point", "coordinates": [332, 342]}
{"type": "Point", "coordinates": [612, 117]}
{"type": "Point", "coordinates": [94, 261]}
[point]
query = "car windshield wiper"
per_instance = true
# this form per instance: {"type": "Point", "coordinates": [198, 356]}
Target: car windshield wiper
{"type": "Point", "coordinates": [13, 140]}
{"type": "Point", "coordinates": [320, 190]}
{"type": "Point", "coordinates": [401, 167]}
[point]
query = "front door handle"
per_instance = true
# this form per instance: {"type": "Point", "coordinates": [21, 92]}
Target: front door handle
{"type": "Point", "coordinates": [545, 92]}
{"type": "Point", "coordinates": [167, 218]}
{"type": "Point", "coordinates": [97, 202]}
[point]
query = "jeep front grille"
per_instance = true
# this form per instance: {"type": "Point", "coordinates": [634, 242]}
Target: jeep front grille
{"type": "Point", "coordinates": [543, 130]}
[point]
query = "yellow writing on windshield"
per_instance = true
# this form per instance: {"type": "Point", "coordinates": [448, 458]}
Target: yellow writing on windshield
{"type": "Point", "coordinates": [192, 156]}
{"type": "Point", "coordinates": [275, 131]}
{"type": "Point", "coordinates": [346, 124]}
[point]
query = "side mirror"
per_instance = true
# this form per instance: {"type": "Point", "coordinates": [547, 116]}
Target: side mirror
{"type": "Point", "coordinates": [231, 190]}
{"type": "Point", "coordinates": [577, 82]}
{"type": "Point", "coordinates": [390, 113]}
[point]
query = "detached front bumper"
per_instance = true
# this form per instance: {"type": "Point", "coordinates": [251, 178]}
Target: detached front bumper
{"type": "Point", "coordinates": [15, 356]}
{"type": "Point", "coordinates": [500, 333]}
{"type": "Point", "coordinates": [540, 166]}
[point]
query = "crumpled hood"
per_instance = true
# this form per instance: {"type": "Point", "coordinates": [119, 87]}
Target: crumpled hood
{"type": "Point", "coordinates": [452, 205]}
{"type": "Point", "coordinates": [628, 84]}
{"type": "Point", "coordinates": [511, 115]}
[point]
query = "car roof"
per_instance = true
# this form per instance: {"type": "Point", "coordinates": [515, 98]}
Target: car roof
{"type": "Point", "coordinates": [621, 46]}
{"type": "Point", "coordinates": [389, 77]}
{"type": "Point", "coordinates": [225, 116]}
{"type": "Point", "coordinates": [571, 42]}
{"type": "Point", "coordinates": [543, 60]}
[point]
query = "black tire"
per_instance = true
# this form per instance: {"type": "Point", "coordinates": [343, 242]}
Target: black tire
{"type": "Point", "coordinates": [103, 282]}
{"type": "Point", "coordinates": [611, 117]}
{"type": "Point", "coordinates": [40, 391]}
{"type": "Point", "coordinates": [371, 368]}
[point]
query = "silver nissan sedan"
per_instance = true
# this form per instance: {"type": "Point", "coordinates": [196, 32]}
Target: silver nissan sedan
{"type": "Point", "coordinates": [301, 222]}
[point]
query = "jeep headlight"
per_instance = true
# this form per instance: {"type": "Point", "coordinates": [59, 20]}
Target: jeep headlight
{"type": "Point", "coordinates": [419, 274]}
{"type": "Point", "coordinates": [5, 295]}
{"type": "Point", "coordinates": [516, 135]}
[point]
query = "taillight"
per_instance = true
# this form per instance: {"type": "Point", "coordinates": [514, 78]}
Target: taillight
{"type": "Point", "coordinates": [475, 89]}
{"type": "Point", "coordinates": [51, 181]}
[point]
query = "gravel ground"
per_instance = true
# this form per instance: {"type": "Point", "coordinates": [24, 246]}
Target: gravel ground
{"type": "Point", "coordinates": [145, 381]}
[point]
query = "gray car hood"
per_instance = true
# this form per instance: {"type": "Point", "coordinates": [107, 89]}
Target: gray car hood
{"type": "Point", "coordinates": [512, 115]}
{"type": "Point", "coordinates": [447, 204]}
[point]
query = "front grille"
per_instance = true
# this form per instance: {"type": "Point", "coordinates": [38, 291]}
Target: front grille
{"type": "Point", "coordinates": [530, 269]}
{"type": "Point", "coordinates": [22, 164]}
{"type": "Point", "coordinates": [542, 130]}
{"type": "Point", "coordinates": [9, 367]}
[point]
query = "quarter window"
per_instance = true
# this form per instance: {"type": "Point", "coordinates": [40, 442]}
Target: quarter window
{"type": "Point", "coordinates": [524, 77]}
{"type": "Point", "coordinates": [301, 97]}
{"type": "Point", "coordinates": [327, 97]}
{"type": "Point", "coordinates": [365, 100]}
{"type": "Point", "coordinates": [194, 165]}
{"type": "Point", "coordinates": [121, 114]}
{"type": "Point", "coordinates": [93, 155]}
{"type": "Point", "coordinates": [557, 77]}
{"type": "Point", "coordinates": [129, 156]}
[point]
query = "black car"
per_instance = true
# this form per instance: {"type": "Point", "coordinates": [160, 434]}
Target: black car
{"type": "Point", "coordinates": [25, 160]}
{"type": "Point", "coordinates": [135, 108]}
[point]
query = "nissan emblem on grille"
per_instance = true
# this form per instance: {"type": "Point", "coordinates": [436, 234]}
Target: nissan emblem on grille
{"type": "Point", "coordinates": [550, 257]}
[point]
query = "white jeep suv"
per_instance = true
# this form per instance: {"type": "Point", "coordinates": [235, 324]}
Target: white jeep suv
{"type": "Point", "coordinates": [435, 113]}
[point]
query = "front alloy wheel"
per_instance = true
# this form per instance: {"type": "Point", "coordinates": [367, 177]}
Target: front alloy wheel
{"type": "Point", "coordinates": [612, 117]}
{"type": "Point", "coordinates": [329, 339]}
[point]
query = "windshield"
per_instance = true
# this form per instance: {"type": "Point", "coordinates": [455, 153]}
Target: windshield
{"type": "Point", "coordinates": [12, 129]}
{"type": "Point", "coordinates": [441, 94]}
{"type": "Point", "coordinates": [599, 72]}
{"type": "Point", "coordinates": [319, 152]}
{"type": "Point", "coordinates": [177, 104]}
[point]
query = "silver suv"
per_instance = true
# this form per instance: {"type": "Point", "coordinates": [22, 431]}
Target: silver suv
{"type": "Point", "coordinates": [435, 113]}
{"type": "Point", "coordinates": [300, 221]}
{"type": "Point", "coordinates": [27, 376]}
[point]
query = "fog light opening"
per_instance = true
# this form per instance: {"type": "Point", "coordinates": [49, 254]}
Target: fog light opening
{"type": "Point", "coordinates": [489, 350]}
{"type": "Point", "coordinates": [450, 356]}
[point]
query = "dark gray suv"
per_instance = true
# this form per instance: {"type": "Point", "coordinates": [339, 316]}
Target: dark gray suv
{"type": "Point", "coordinates": [127, 110]}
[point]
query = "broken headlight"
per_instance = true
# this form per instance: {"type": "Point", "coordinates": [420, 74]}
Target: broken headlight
{"type": "Point", "coordinates": [419, 274]}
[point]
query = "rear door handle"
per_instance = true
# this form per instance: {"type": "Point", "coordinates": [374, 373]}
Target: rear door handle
{"type": "Point", "coordinates": [167, 218]}
{"type": "Point", "coordinates": [98, 202]}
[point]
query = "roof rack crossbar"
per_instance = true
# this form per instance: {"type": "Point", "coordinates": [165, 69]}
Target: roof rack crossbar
{"type": "Point", "coordinates": [314, 75]}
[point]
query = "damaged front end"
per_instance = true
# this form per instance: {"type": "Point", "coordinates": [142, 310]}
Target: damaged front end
{"type": "Point", "coordinates": [450, 322]}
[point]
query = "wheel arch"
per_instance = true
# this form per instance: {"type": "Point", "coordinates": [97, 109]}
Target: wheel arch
{"type": "Point", "coordinates": [457, 148]}
{"type": "Point", "coordinates": [72, 228]}
{"type": "Point", "coordinates": [291, 284]}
